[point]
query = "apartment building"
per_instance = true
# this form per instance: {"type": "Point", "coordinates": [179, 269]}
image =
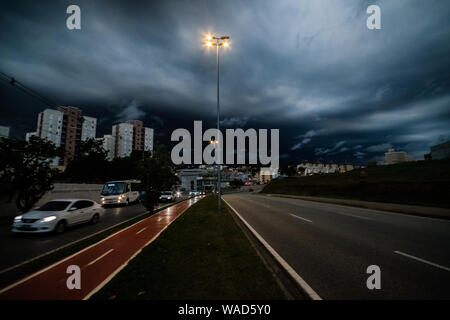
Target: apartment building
{"type": "Point", "coordinates": [129, 136]}
{"type": "Point", "coordinates": [4, 132]}
{"type": "Point", "coordinates": [123, 139]}
{"type": "Point", "coordinates": [393, 157]}
{"type": "Point", "coordinates": [49, 127]}
{"type": "Point", "coordinates": [65, 127]}
{"type": "Point", "coordinates": [108, 145]}
{"type": "Point", "coordinates": [89, 128]}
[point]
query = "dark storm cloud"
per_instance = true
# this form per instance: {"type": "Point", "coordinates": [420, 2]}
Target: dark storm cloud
{"type": "Point", "coordinates": [310, 68]}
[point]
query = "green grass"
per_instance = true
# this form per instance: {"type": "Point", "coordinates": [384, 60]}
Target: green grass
{"type": "Point", "coordinates": [202, 255]}
{"type": "Point", "coordinates": [418, 183]}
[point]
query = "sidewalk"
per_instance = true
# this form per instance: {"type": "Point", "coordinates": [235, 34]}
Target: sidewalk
{"type": "Point", "coordinates": [99, 263]}
{"type": "Point", "coordinates": [432, 212]}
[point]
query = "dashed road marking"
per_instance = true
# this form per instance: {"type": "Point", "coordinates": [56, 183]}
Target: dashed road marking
{"type": "Point", "coordinates": [422, 260]}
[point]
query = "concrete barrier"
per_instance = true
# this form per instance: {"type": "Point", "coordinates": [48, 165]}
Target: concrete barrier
{"type": "Point", "coordinates": [60, 191]}
{"type": "Point", "coordinates": [73, 190]}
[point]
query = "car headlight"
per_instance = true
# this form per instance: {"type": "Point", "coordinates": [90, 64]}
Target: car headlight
{"type": "Point", "coordinates": [48, 219]}
{"type": "Point", "coordinates": [122, 195]}
{"type": "Point", "coordinates": [17, 219]}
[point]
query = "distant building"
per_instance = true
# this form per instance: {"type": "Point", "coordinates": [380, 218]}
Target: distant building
{"type": "Point", "coordinates": [393, 157]}
{"type": "Point", "coordinates": [28, 135]}
{"type": "Point", "coordinates": [129, 136]}
{"type": "Point", "coordinates": [123, 139]}
{"type": "Point", "coordinates": [71, 132]}
{"type": "Point", "coordinates": [440, 151]}
{"type": "Point", "coordinates": [89, 128]}
{"type": "Point", "coordinates": [4, 132]}
{"type": "Point", "coordinates": [65, 128]}
{"type": "Point", "coordinates": [142, 136]}
{"type": "Point", "coordinates": [265, 175]}
{"type": "Point", "coordinates": [49, 127]}
{"type": "Point", "coordinates": [192, 179]}
{"type": "Point", "coordinates": [148, 139]}
{"type": "Point", "coordinates": [108, 145]}
{"type": "Point", "coordinates": [308, 169]}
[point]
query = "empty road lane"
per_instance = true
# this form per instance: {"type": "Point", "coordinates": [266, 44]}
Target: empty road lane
{"type": "Point", "coordinates": [330, 246]}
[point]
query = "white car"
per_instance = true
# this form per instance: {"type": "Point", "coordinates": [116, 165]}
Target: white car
{"type": "Point", "coordinates": [168, 196]}
{"type": "Point", "coordinates": [56, 215]}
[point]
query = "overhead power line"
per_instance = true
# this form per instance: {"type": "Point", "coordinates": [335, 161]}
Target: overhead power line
{"type": "Point", "coordinates": [20, 86]}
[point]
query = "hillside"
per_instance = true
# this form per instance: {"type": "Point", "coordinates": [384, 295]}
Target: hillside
{"type": "Point", "coordinates": [420, 183]}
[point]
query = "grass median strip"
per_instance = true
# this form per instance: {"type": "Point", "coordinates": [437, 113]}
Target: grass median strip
{"type": "Point", "coordinates": [202, 255]}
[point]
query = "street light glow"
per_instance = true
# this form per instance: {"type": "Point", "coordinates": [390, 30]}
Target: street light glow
{"type": "Point", "coordinates": [217, 42]}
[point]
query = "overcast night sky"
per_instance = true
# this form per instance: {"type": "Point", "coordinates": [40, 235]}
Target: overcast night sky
{"type": "Point", "coordinates": [336, 90]}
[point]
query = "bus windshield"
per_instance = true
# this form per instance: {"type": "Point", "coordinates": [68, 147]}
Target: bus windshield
{"type": "Point", "coordinates": [113, 188]}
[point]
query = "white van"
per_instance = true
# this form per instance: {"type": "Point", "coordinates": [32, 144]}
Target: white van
{"type": "Point", "coordinates": [121, 192]}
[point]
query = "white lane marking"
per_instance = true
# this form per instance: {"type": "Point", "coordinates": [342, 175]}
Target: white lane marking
{"type": "Point", "coordinates": [76, 253]}
{"type": "Point", "coordinates": [368, 210]}
{"type": "Point", "coordinates": [71, 243]}
{"type": "Point", "coordinates": [354, 216]}
{"type": "Point", "coordinates": [302, 283]}
{"type": "Point", "coordinates": [106, 253]}
{"type": "Point", "coordinates": [423, 260]}
{"type": "Point", "coordinates": [112, 275]}
{"type": "Point", "coordinates": [141, 230]}
{"type": "Point", "coordinates": [295, 216]}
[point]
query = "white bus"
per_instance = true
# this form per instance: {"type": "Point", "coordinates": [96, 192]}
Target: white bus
{"type": "Point", "coordinates": [121, 192]}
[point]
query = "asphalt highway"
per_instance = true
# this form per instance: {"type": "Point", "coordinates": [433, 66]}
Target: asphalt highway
{"type": "Point", "coordinates": [19, 247]}
{"type": "Point", "coordinates": [331, 246]}
{"type": "Point", "coordinates": [97, 263]}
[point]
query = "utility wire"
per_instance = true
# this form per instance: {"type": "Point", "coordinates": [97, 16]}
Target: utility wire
{"type": "Point", "coordinates": [16, 84]}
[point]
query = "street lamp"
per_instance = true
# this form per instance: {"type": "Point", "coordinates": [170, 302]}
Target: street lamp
{"type": "Point", "coordinates": [211, 40]}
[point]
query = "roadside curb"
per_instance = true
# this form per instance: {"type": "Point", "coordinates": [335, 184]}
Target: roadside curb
{"type": "Point", "coordinates": [303, 285]}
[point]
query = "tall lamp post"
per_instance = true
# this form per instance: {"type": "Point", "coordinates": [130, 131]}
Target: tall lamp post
{"type": "Point", "coordinates": [211, 40]}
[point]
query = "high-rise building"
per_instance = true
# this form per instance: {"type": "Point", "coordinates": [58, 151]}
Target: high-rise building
{"type": "Point", "coordinates": [89, 128]}
{"type": "Point", "coordinates": [393, 157]}
{"type": "Point", "coordinates": [65, 127]}
{"type": "Point", "coordinates": [440, 151]}
{"type": "Point", "coordinates": [148, 139]}
{"type": "Point", "coordinates": [4, 132]}
{"type": "Point", "coordinates": [71, 132]}
{"type": "Point", "coordinates": [123, 139]}
{"type": "Point", "coordinates": [138, 134]}
{"type": "Point", "coordinates": [129, 136]}
{"type": "Point", "coordinates": [49, 127]}
{"type": "Point", "coordinates": [108, 145]}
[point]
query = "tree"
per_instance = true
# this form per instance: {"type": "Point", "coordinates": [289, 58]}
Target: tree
{"type": "Point", "coordinates": [25, 172]}
{"type": "Point", "coordinates": [89, 163]}
{"type": "Point", "coordinates": [157, 174]}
